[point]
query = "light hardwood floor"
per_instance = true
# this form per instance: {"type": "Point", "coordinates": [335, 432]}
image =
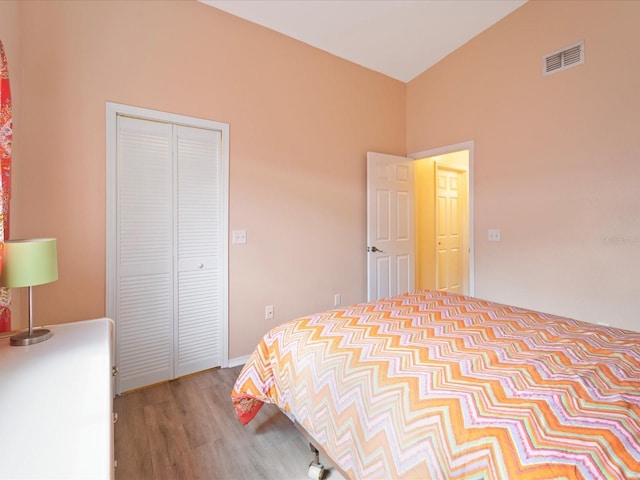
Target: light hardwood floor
{"type": "Point", "coordinates": [187, 429]}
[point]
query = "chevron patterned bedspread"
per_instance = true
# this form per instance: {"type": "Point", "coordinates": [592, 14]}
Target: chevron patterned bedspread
{"type": "Point", "coordinates": [434, 385]}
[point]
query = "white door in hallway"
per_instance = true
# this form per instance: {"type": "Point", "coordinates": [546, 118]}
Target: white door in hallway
{"type": "Point", "coordinates": [449, 231]}
{"type": "Point", "coordinates": [390, 225]}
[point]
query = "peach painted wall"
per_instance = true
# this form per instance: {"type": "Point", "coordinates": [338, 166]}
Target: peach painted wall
{"type": "Point", "coordinates": [301, 122]}
{"type": "Point", "coordinates": [556, 158]}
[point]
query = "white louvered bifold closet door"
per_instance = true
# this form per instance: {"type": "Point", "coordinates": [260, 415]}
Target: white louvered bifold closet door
{"type": "Point", "coordinates": [169, 272]}
{"type": "Point", "coordinates": [145, 253]}
{"type": "Point", "coordinates": [199, 243]}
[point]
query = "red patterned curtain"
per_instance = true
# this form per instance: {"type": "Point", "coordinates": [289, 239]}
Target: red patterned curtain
{"type": "Point", "coordinates": [6, 128]}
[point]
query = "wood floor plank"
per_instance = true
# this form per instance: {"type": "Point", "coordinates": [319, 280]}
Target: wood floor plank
{"type": "Point", "coordinates": [131, 438]}
{"type": "Point", "coordinates": [193, 405]}
{"type": "Point", "coordinates": [169, 448]}
{"type": "Point", "coordinates": [187, 429]}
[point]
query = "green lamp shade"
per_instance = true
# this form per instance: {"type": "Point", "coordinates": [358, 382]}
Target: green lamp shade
{"type": "Point", "coordinates": [29, 262]}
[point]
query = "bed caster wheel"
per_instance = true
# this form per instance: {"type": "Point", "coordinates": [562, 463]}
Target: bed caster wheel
{"type": "Point", "coordinates": [316, 471]}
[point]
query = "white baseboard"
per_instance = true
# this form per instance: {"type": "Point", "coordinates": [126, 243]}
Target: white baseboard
{"type": "Point", "coordinates": [236, 362]}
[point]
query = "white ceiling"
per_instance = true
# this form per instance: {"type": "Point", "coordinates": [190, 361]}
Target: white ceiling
{"type": "Point", "coordinates": [399, 38]}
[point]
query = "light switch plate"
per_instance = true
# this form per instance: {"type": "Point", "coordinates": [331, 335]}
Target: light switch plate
{"type": "Point", "coordinates": [494, 235]}
{"type": "Point", "coordinates": [268, 312]}
{"type": "Point", "coordinates": [239, 236]}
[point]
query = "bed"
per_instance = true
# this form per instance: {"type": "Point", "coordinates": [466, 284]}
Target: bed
{"type": "Point", "coordinates": [434, 385]}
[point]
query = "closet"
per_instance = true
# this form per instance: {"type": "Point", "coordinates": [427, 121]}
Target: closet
{"type": "Point", "coordinates": [166, 244]}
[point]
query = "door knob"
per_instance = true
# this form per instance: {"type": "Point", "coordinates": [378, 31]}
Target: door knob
{"type": "Point", "coordinates": [374, 249]}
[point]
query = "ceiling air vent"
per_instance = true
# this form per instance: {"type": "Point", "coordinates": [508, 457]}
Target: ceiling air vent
{"type": "Point", "coordinates": [563, 59]}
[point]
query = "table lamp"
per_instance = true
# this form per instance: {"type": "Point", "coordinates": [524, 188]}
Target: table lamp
{"type": "Point", "coordinates": [27, 263]}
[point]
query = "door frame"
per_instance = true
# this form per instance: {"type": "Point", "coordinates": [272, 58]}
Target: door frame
{"type": "Point", "coordinates": [112, 112]}
{"type": "Point", "coordinates": [469, 146]}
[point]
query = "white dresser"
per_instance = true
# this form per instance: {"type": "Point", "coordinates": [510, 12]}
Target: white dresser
{"type": "Point", "coordinates": [56, 401]}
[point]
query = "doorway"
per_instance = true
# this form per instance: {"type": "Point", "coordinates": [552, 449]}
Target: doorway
{"type": "Point", "coordinates": [444, 219]}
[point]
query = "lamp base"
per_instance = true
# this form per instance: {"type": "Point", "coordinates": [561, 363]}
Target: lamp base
{"type": "Point", "coordinates": [37, 336]}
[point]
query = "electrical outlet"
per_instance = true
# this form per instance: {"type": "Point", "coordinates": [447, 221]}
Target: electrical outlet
{"type": "Point", "coordinates": [337, 299]}
{"type": "Point", "coordinates": [268, 312]}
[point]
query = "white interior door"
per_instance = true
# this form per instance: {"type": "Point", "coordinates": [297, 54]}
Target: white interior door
{"type": "Point", "coordinates": [449, 231]}
{"type": "Point", "coordinates": [145, 253]}
{"type": "Point", "coordinates": [199, 241]}
{"type": "Point", "coordinates": [458, 157]}
{"type": "Point", "coordinates": [167, 184]}
{"type": "Point", "coordinates": [390, 225]}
